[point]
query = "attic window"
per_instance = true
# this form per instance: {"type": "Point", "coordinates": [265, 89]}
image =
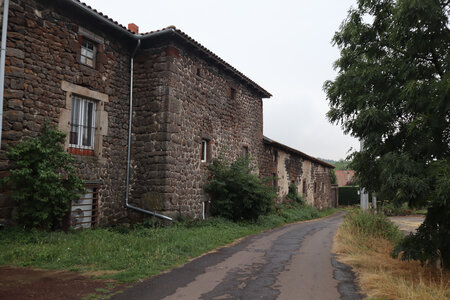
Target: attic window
{"type": "Point", "coordinates": [88, 52]}
{"type": "Point", "coordinates": [197, 71]}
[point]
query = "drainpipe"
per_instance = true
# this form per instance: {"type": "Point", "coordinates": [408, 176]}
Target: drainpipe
{"type": "Point", "coordinates": [130, 119]}
{"type": "Point", "coordinates": [2, 63]}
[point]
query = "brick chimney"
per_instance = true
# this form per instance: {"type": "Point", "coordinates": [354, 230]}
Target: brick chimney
{"type": "Point", "coordinates": [133, 28]}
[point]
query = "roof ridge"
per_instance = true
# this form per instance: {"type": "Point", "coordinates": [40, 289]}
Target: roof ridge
{"type": "Point", "coordinates": [186, 37]}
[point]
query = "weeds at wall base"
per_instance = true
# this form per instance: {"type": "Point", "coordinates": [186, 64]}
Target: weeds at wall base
{"type": "Point", "coordinates": [135, 253]}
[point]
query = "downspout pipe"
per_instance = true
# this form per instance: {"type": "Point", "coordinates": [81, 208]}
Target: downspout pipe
{"type": "Point", "coordinates": [2, 63]}
{"type": "Point", "coordinates": [130, 121]}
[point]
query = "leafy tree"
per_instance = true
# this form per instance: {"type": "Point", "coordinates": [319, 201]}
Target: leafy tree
{"type": "Point", "coordinates": [392, 92]}
{"type": "Point", "coordinates": [333, 176]}
{"type": "Point", "coordinates": [43, 180]}
{"type": "Point", "coordinates": [342, 164]}
{"type": "Point", "coordinates": [237, 192]}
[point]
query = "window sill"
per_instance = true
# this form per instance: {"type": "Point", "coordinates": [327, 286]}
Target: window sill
{"type": "Point", "coordinates": [81, 152]}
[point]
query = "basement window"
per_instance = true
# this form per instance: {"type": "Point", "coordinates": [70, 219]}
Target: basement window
{"type": "Point", "coordinates": [84, 211]}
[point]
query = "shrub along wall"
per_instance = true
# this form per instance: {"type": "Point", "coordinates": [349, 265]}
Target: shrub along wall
{"type": "Point", "coordinates": [348, 195]}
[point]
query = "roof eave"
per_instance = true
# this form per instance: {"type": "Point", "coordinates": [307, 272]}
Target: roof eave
{"type": "Point", "coordinates": [166, 31]}
{"type": "Point", "coordinates": [304, 155]}
{"type": "Point", "coordinates": [207, 53]}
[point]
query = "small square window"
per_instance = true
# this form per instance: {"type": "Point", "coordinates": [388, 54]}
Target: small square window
{"type": "Point", "coordinates": [204, 151]}
{"type": "Point", "coordinates": [88, 52]}
{"type": "Point", "coordinates": [232, 93]}
{"type": "Point", "coordinates": [245, 151]}
{"type": "Point", "coordinates": [82, 123]}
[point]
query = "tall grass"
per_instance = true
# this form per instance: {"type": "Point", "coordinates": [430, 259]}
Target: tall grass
{"type": "Point", "coordinates": [366, 241]}
{"type": "Point", "coordinates": [128, 254]}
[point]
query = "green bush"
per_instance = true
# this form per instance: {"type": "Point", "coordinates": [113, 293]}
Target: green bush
{"type": "Point", "coordinates": [390, 209]}
{"type": "Point", "coordinates": [293, 194]}
{"type": "Point", "coordinates": [333, 176]}
{"type": "Point", "coordinates": [348, 195]}
{"type": "Point", "coordinates": [237, 192]}
{"type": "Point", "coordinates": [42, 180]}
{"type": "Point", "coordinates": [431, 241]}
{"type": "Point", "coordinates": [372, 225]}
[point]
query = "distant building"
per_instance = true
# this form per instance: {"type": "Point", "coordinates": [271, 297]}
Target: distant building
{"type": "Point", "coordinates": [344, 177]}
{"type": "Point", "coordinates": [310, 175]}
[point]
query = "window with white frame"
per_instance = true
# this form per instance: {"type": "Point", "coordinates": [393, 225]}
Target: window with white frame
{"type": "Point", "coordinates": [204, 151]}
{"type": "Point", "coordinates": [82, 123]}
{"type": "Point", "coordinates": [88, 52]}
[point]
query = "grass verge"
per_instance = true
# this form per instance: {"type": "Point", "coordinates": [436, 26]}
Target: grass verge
{"type": "Point", "coordinates": [125, 254]}
{"type": "Point", "coordinates": [366, 241]}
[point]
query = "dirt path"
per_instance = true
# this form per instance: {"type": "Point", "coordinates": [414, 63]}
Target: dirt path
{"type": "Point", "coordinates": [408, 224]}
{"type": "Point", "coordinates": [291, 262]}
{"type": "Point", "coordinates": [25, 283]}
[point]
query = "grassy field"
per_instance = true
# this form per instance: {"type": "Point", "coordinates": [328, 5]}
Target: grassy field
{"type": "Point", "coordinates": [127, 255]}
{"type": "Point", "coordinates": [366, 241]}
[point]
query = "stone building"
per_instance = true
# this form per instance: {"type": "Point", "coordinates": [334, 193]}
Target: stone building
{"type": "Point", "coordinates": [80, 70]}
{"type": "Point", "coordinates": [344, 177]}
{"type": "Point", "coordinates": [289, 166]}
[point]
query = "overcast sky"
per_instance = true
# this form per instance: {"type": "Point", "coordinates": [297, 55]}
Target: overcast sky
{"type": "Point", "coordinates": [282, 45]}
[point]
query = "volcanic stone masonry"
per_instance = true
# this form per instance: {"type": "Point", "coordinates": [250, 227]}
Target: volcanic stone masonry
{"type": "Point", "coordinates": [189, 106]}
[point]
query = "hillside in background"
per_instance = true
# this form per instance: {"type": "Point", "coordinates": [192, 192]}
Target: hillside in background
{"type": "Point", "coordinates": [340, 164]}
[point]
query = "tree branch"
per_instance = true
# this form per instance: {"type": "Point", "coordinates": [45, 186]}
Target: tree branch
{"type": "Point", "coordinates": [436, 64]}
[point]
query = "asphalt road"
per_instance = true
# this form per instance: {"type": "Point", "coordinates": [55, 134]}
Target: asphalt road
{"type": "Point", "coordinates": [291, 262]}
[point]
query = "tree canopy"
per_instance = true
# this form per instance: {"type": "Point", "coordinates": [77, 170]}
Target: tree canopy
{"type": "Point", "coordinates": [392, 92]}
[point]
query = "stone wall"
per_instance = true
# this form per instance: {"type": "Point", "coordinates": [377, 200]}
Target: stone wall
{"type": "Point", "coordinates": [311, 178]}
{"type": "Point", "coordinates": [43, 50]}
{"type": "Point", "coordinates": [189, 100]}
{"type": "Point", "coordinates": [151, 124]}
